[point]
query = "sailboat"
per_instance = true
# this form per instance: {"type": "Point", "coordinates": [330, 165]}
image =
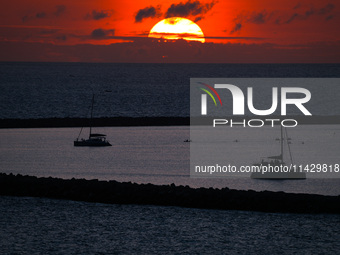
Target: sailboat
{"type": "Point", "coordinates": [95, 140]}
{"type": "Point", "coordinates": [277, 162]}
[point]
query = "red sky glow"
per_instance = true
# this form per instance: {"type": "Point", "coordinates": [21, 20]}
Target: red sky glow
{"type": "Point", "coordinates": [236, 31]}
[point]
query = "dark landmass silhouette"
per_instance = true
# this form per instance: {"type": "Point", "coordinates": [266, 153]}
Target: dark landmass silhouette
{"type": "Point", "coordinates": [149, 121]}
{"type": "Point", "coordinates": [96, 122]}
{"type": "Point", "coordinates": [113, 192]}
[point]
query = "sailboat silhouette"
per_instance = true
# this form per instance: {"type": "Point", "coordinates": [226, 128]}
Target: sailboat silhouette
{"type": "Point", "coordinates": [96, 140]}
{"type": "Point", "coordinates": [278, 163]}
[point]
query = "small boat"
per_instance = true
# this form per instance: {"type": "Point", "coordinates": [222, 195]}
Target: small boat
{"type": "Point", "coordinates": [277, 161]}
{"type": "Point", "coordinates": [95, 140]}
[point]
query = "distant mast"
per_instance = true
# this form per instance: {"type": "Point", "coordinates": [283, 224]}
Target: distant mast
{"type": "Point", "coordinates": [91, 115]}
{"type": "Point", "coordinates": [281, 144]}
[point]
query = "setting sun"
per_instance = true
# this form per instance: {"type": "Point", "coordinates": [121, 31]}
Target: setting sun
{"type": "Point", "coordinates": [177, 28]}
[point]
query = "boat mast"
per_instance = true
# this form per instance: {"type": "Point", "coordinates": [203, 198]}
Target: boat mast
{"type": "Point", "coordinates": [290, 152]}
{"type": "Point", "coordinates": [91, 115]}
{"type": "Point", "coordinates": [281, 144]}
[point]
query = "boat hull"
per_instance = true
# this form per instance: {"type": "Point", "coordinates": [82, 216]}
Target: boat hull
{"type": "Point", "coordinates": [91, 143]}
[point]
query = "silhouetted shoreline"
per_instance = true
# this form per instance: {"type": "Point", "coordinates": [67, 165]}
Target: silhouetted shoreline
{"type": "Point", "coordinates": [113, 192]}
{"type": "Point", "coordinates": [146, 121]}
{"type": "Point", "coordinates": [97, 122]}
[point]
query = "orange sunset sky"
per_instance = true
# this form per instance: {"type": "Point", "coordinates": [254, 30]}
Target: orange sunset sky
{"type": "Point", "coordinates": [236, 31]}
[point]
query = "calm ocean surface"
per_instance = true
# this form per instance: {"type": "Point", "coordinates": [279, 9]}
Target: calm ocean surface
{"type": "Point", "coordinates": [145, 155]}
{"type": "Point", "coordinates": [47, 90]}
{"type": "Point", "coordinates": [45, 226]}
{"type": "Point", "coordinates": [158, 155]}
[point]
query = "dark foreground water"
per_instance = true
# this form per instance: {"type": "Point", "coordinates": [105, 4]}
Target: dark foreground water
{"type": "Point", "coordinates": [45, 226]}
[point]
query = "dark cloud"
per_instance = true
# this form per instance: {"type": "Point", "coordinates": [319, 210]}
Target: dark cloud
{"type": "Point", "coordinates": [60, 9]}
{"type": "Point", "coordinates": [330, 17]}
{"type": "Point", "coordinates": [265, 17]}
{"type": "Point", "coordinates": [297, 6]}
{"type": "Point", "coordinates": [25, 18]}
{"type": "Point", "coordinates": [100, 33]}
{"type": "Point", "coordinates": [62, 38]}
{"type": "Point", "coordinates": [49, 31]}
{"type": "Point", "coordinates": [277, 21]}
{"type": "Point", "coordinates": [40, 15]}
{"type": "Point", "coordinates": [327, 9]}
{"type": "Point", "coordinates": [292, 18]}
{"type": "Point", "coordinates": [98, 15]}
{"type": "Point", "coordinates": [258, 18]}
{"type": "Point", "coordinates": [311, 12]}
{"type": "Point", "coordinates": [198, 19]}
{"type": "Point", "coordinates": [235, 38]}
{"type": "Point", "coordinates": [254, 17]}
{"type": "Point", "coordinates": [236, 28]}
{"type": "Point", "coordinates": [147, 12]}
{"type": "Point", "coordinates": [190, 8]}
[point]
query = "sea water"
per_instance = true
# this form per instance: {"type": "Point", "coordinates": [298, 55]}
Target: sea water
{"type": "Point", "coordinates": [46, 226]}
{"type": "Point", "coordinates": [49, 90]}
{"type": "Point", "coordinates": [144, 155]}
{"type": "Point", "coordinates": [159, 155]}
